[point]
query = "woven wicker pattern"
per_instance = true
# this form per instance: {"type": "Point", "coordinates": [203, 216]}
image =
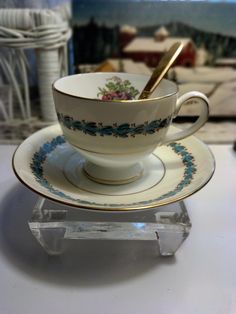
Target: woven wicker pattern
{"type": "Point", "coordinates": [47, 33]}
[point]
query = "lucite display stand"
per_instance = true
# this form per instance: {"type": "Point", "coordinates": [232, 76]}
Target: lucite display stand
{"type": "Point", "coordinates": [52, 223]}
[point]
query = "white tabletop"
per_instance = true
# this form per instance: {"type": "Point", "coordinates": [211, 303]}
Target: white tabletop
{"type": "Point", "coordinates": [114, 277]}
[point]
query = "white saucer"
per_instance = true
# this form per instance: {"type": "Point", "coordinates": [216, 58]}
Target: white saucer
{"type": "Point", "coordinates": [48, 165]}
{"type": "Point", "coordinates": [153, 173]}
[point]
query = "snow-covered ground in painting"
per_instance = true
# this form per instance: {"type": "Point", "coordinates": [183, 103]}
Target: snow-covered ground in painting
{"type": "Point", "coordinates": [219, 84]}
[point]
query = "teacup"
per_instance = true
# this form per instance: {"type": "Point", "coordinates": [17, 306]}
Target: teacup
{"type": "Point", "coordinates": [115, 132]}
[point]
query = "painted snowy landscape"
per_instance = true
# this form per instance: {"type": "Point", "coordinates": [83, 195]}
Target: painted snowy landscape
{"type": "Point", "coordinates": [113, 40]}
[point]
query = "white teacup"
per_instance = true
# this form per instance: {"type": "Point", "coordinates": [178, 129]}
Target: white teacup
{"type": "Point", "coordinates": [114, 134]}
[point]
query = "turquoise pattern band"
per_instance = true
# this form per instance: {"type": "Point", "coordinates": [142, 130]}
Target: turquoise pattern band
{"type": "Point", "coordinates": [39, 157]}
{"type": "Point", "coordinates": [116, 130]}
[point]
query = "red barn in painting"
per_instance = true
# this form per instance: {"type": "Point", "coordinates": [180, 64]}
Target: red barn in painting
{"type": "Point", "coordinates": [127, 34]}
{"type": "Point", "coordinates": [150, 49]}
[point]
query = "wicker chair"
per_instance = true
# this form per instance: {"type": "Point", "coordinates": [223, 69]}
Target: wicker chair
{"type": "Point", "coordinates": [47, 33]}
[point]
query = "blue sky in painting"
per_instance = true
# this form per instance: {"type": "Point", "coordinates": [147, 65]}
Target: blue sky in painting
{"type": "Point", "coordinates": [214, 16]}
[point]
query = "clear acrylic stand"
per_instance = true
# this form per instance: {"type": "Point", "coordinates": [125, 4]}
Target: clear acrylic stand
{"type": "Point", "coordinates": [52, 223]}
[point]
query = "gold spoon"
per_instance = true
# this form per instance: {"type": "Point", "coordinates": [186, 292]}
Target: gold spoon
{"type": "Point", "coordinates": [161, 69]}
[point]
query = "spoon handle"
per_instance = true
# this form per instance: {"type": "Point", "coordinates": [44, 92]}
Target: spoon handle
{"type": "Point", "coordinates": [161, 69]}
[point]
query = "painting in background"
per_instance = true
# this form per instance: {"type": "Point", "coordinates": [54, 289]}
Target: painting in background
{"type": "Point", "coordinates": [131, 36]}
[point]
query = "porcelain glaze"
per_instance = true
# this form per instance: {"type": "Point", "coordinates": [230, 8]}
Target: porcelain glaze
{"type": "Point", "coordinates": [114, 133]}
{"type": "Point", "coordinates": [46, 163]}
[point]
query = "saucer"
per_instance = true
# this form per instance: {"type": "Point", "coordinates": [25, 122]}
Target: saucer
{"type": "Point", "coordinates": [51, 167]}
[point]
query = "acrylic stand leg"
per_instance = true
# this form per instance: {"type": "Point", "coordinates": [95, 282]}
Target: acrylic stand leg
{"type": "Point", "coordinates": [48, 227]}
{"type": "Point", "coordinates": [52, 223]}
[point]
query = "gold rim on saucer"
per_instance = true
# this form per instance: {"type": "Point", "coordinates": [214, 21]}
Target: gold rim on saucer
{"type": "Point", "coordinates": [39, 161]}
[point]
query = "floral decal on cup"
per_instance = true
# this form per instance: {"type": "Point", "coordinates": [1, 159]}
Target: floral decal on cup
{"type": "Point", "coordinates": [117, 89]}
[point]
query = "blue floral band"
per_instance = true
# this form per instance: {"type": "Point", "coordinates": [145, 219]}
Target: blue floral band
{"type": "Point", "coordinates": [40, 157]}
{"type": "Point", "coordinates": [116, 130]}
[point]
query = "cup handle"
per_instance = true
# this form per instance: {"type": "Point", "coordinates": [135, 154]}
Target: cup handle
{"type": "Point", "coordinates": [195, 97]}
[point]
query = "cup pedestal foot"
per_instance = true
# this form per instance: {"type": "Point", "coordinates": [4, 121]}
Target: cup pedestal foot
{"type": "Point", "coordinates": [113, 176]}
{"type": "Point", "coordinates": [144, 176]}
